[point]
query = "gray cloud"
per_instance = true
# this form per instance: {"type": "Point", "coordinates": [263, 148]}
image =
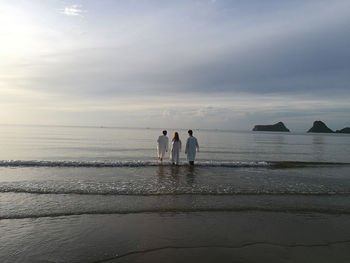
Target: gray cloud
{"type": "Point", "coordinates": [288, 57]}
{"type": "Point", "coordinates": [203, 53]}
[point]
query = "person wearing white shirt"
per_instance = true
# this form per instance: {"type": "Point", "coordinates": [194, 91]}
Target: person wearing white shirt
{"type": "Point", "coordinates": [191, 147]}
{"type": "Point", "coordinates": [175, 149]}
{"type": "Point", "coordinates": [162, 145]}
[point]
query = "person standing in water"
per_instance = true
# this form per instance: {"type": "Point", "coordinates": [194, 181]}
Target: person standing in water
{"type": "Point", "coordinates": [191, 147]}
{"type": "Point", "coordinates": [175, 149]}
{"type": "Point", "coordinates": [162, 145]}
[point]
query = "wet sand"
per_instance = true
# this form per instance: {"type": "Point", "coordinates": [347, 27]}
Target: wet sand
{"type": "Point", "coordinates": [178, 237]}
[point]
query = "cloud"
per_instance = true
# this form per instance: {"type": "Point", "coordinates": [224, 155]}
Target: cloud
{"type": "Point", "coordinates": [288, 58]}
{"type": "Point", "coordinates": [289, 52]}
{"type": "Point", "coordinates": [73, 10]}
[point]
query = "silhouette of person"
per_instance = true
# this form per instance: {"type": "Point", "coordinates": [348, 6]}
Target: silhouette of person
{"type": "Point", "coordinates": [175, 149]}
{"type": "Point", "coordinates": [162, 145]}
{"type": "Point", "coordinates": [191, 147]}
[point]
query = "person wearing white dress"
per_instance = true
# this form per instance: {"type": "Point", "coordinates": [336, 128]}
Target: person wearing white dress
{"type": "Point", "coordinates": [191, 147]}
{"type": "Point", "coordinates": [162, 145]}
{"type": "Point", "coordinates": [175, 149]}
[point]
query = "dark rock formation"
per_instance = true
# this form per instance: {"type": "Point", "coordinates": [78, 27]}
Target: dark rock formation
{"type": "Point", "coordinates": [275, 127]}
{"type": "Point", "coordinates": [320, 127]}
{"type": "Point", "coordinates": [345, 130]}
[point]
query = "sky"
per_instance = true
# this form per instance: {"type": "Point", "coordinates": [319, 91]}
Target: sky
{"type": "Point", "coordinates": [211, 64]}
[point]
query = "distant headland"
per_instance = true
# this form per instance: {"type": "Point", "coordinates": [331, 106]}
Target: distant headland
{"type": "Point", "coordinates": [320, 127]}
{"type": "Point", "coordinates": [344, 130]}
{"type": "Point", "coordinates": [279, 127]}
{"type": "Point", "coordinates": [317, 127]}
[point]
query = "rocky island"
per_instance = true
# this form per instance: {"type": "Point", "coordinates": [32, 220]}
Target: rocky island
{"type": "Point", "coordinates": [278, 127]}
{"type": "Point", "coordinates": [320, 127]}
{"type": "Point", "coordinates": [345, 130]}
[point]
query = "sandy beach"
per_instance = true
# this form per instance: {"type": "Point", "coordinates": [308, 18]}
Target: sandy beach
{"type": "Point", "coordinates": [179, 237]}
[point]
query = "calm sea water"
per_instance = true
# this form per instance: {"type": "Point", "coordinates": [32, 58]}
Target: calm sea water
{"type": "Point", "coordinates": [103, 180]}
{"type": "Point", "coordinates": [121, 144]}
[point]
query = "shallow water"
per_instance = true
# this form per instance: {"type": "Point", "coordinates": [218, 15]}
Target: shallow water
{"type": "Point", "coordinates": [81, 194]}
{"type": "Point", "coordinates": [121, 144]}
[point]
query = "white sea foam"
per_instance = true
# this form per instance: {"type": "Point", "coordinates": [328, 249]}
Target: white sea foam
{"type": "Point", "coordinates": [151, 187]}
{"type": "Point", "coordinates": [134, 163]}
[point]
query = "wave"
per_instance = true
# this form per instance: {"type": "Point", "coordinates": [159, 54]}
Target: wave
{"type": "Point", "coordinates": [297, 210]}
{"type": "Point", "coordinates": [130, 189]}
{"type": "Point", "coordinates": [139, 163]}
{"type": "Point", "coordinates": [134, 163]}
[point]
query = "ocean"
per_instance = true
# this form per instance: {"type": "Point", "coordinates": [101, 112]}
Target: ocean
{"type": "Point", "coordinates": [98, 194]}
